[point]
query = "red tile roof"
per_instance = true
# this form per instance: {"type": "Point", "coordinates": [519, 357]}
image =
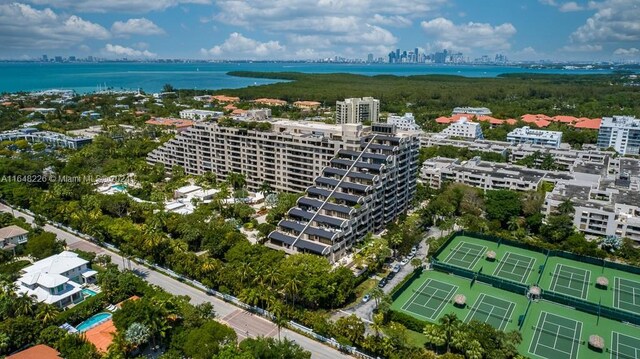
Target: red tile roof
{"type": "Point", "coordinates": [174, 122]}
{"type": "Point", "coordinates": [593, 124]}
{"type": "Point", "coordinates": [223, 98]}
{"type": "Point", "coordinates": [40, 351]}
{"type": "Point", "coordinates": [101, 335]}
{"type": "Point", "coordinates": [443, 119]}
{"type": "Point", "coordinates": [565, 119]}
{"type": "Point", "coordinates": [511, 121]}
{"type": "Point", "coordinates": [542, 123]}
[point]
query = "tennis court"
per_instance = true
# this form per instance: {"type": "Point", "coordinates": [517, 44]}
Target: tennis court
{"type": "Point", "coordinates": [571, 281]}
{"type": "Point", "coordinates": [515, 267]}
{"type": "Point", "coordinates": [491, 310]}
{"type": "Point", "coordinates": [465, 255]}
{"type": "Point", "coordinates": [624, 346]}
{"type": "Point", "coordinates": [556, 337]}
{"type": "Point", "coordinates": [626, 295]}
{"type": "Point", "coordinates": [430, 299]}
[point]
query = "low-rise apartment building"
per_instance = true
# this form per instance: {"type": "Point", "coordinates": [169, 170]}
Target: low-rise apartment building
{"type": "Point", "coordinates": [486, 175]}
{"type": "Point", "coordinates": [477, 111]}
{"type": "Point", "coordinates": [463, 128]}
{"type": "Point", "coordinates": [56, 280]}
{"type": "Point", "coordinates": [359, 192]}
{"type": "Point", "coordinates": [403, 123]}
{"type": "Point", "coordinates": [194, 114]}
{"type": "Point", "coordinates": [287, 155]}
{"type": "Point", "coordinates": [51, 138]}
{"type": "Point", "coordinates": [535, 137]}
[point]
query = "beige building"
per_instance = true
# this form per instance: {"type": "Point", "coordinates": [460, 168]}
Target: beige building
{"type": "Point", "coordinates": [11, 236]}
{"type": "Point", "coordinates": [288, 155]}
{"type": "Point", "coordinates": [357, 110]}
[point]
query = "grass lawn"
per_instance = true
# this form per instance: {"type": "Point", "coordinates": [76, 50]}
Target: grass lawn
{"type": "Point", "coordinates": [416, 339]}
{"type": "Point", "coordinates": [364, 288]}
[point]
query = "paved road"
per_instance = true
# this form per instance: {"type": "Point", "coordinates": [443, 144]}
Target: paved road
{"type": "Point", "coordinates": [244, 323]}
{"type": "Point", "coordinates": [365, 310]}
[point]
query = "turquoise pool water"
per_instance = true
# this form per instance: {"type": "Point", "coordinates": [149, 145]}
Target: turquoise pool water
{"type": "Point", "coordinates": [119, 187]}
{"type": "Point", "coordinates": [88, 292]}
{"type": "Point", "coordinates": [93, 321]}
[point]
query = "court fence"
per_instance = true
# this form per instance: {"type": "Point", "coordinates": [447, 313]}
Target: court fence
{"type": "Point", "coordinates": [588, 307]}
{"type": "Point", "coordinates": [496, 282]}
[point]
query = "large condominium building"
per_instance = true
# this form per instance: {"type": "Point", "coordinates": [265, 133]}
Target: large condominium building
{"type": "Point", "coordinates": [288, 155]}
{"type": "Point", "coordinates": [357, 110]}
{"type": "Point", "coordinates": [537, 137]}
{"type": "Point", "coordinates": [620, 132]}
{"type": "Point", "coordinates": [463, 128]}
{"type": "Point", "coordinates": [403, 123]}
{"type": "Point", "coordinates": [609, 206]}
{"type": "Point", "coordinates": [359, 192]}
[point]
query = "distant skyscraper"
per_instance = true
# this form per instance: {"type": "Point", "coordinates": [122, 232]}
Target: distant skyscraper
{"type": "Point", "coordinates": [72, 58]}
{"type": "Point", "coordinates": [45, 58]}
{"type": "Point", "coordinates": [416, 54]}
{"type": "Point", "coordinates": [370, 58]}
{"type": "Point", "coordinates": [58, 58]}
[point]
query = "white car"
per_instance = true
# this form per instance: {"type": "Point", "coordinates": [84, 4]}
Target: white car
{"type": "Point", "coordinates": [404, 261]}
{"type": "Point", "coordinates": [366, 298]}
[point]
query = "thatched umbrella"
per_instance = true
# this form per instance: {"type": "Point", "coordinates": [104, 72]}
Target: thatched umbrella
{"type": "Point", "coordinates": [460, 300]}
{"type": "Point", "coordinates": [602, 282]}
{"type": "Point", "coordinates": [596, 342]}
{"type": "Point", "coordinates": [534, 292]}
{"type": "Point", "coordinates": [491, 255]}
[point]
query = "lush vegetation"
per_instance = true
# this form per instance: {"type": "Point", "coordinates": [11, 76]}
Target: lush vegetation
{"type": "Point", "coordinates": [430, 96]}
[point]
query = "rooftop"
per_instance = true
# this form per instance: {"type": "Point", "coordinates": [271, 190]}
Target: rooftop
{"type": "Point", "coordinates": [174, 122]}
{"type": "Point", "coordinates": [39, 351]}
{"type": "Point", "coordinates": [12, 231]}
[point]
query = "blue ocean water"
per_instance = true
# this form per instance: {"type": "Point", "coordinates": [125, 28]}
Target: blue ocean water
{"type": "Point", "coordinates": [151, 77]}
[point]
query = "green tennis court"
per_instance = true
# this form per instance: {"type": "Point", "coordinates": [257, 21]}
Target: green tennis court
{"type": "Point", "coordinates": [515, 267]}
{"type": "Point", "coordinates": [626, 295]}
{"type": "Point", "coordinates": [570, 281]}
{"type": "Point", "coordinates": [556, 337]}
{"type": "Point", "coordinates": [465, 255]}
{"type": "Point", "coordinates": [430, 299]}
{"type": "Point", "coordinates": [624, 346]}
{"type": "Point", "coordinates": [491, 310]}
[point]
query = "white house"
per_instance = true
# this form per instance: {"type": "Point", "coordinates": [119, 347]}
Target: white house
{"type": "Point", "coordinates": [57, 280]}
{"type": "Point", "coordinates": [11, 236]}
{"type": "Point", "coordinates": [464, 128]}
{"type": "Point", "coordinates": [403, 123]}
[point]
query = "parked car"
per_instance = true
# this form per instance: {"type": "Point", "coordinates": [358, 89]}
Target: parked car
{"type": "Point", "coordinates": [390, 276]}
{"type": "Point", "coordinates": [410, 256]}
{"type": "Point", "coordinates": [404, 261]}
{"type": "Point", "coordinates": [366, 298]}
{"type": "Point", "coordinates": [414, 250]}
{"type": "Point", "coordinates": [396, 268]}
{"type": "Point", "coordinates": [382, 283]}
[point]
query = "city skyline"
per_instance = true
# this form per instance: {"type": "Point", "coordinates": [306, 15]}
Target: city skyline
{"type": "Point", "coordinates": [311, 30]}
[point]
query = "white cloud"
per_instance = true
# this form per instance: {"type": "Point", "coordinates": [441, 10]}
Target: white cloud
{"type": "Point", "coordinates": [140, 26]}
{"type": "Point", "coordinates": [392, 20]}
{"type": "Point", "coordinates": [471, 35]}
{"type": "Point", "coordinates": [24, 27]}
{"type": "Point", "coordinates": [582, 48]}
{"type": "Point", "coordinates": [237, 46]}
{"type": "Point", "coordinates": [126, 6]}
{"type": "Point", "coordinates": [614, 21]}
{"type": "Point", "coordinates": [627, 52]}
{"type": "Point", "coordinates": [570, 7]}
{"type": "Point", "coordinates": [122, 51]}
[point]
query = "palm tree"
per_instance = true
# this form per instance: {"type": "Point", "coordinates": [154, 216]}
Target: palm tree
{"type": "Point", "coordinates": [137, 334]}
{"type": "Point", "coordinates": [250, 296]}
{"type": "Point", "coordinates": [265, 188]}
{"type": "Point", "coordinates": [513, 224]}
{"type": "Point", "coordinates": [47, 313]}
{"type": "Point", "coordinates": [236, 180]}
{"type": "Point", "coordinates": [24, 305]}
{"type": "Point", "coordinates": [291, 288]}
{"type": "Point", "coordinates": [449, 324]}
{"type": "Point", "coordinates": [566, 207]}
{"type": "Point", "coordinates": [376, 294]}
{"type": "Point", "coordinates": [271, 276]}
{"type": "Point", "coordinates": [276, 309]}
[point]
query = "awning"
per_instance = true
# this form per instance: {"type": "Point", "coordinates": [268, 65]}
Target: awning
{"type": "Point", "coordinates": [89, 273]}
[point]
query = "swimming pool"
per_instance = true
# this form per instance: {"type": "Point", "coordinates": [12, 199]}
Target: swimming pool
{"type": "Point", "coordinates": [89, 292]}
{"type": "Point", "coordinates": [93, 321]}
{"type": "Point", "coordinates": [119, 187]}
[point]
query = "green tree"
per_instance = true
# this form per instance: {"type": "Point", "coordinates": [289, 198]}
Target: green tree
{"type": "Point", "coordinates": [42, 245]}
{"type": "Point", "coordinates": [206, 341]}
{"type": "Point", "coordinates": [501, 205]}
{"type": "Point", "coordinates": [137, 334]}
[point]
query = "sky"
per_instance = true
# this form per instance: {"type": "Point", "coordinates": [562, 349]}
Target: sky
{"type": "Point", "coordinates": [599, 30]}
